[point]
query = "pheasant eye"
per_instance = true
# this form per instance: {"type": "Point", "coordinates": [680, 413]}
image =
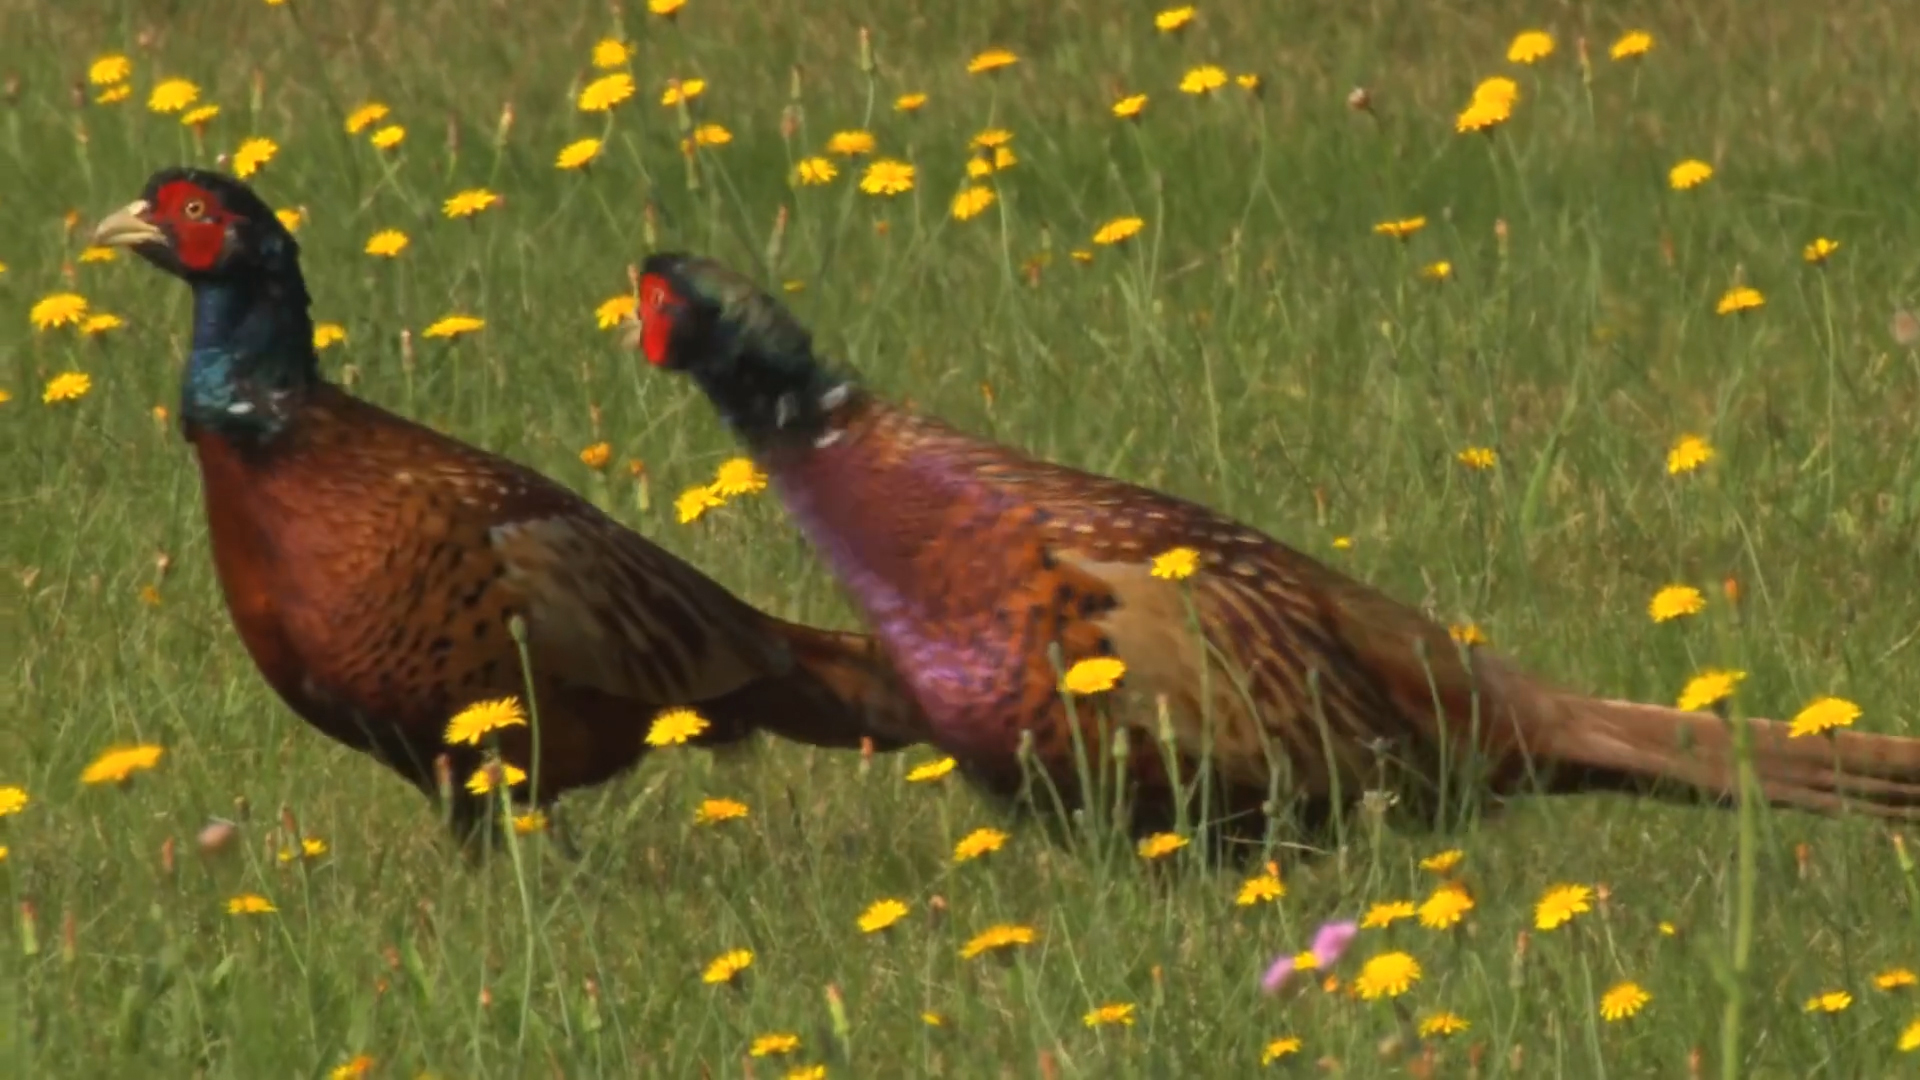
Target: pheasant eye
{"type": "Point", "coordinates": [195, 209]}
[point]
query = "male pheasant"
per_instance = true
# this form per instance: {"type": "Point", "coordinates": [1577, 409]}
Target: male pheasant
{"type": "Point", "coordinates": [375, 568]}
{"type": "Point", "coordinates": [987, 574]}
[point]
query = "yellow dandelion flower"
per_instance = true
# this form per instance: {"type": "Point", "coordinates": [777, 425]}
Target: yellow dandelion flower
{"type": "Point", "coordinates": [996, 938]}
{"type": "Point", "coordinates": [577, 154]}
{"type": "Point", "coordinates": [991, 60]}
{"type": "Point", "coordinates": [1343, 543]}
{"type": "Point", "coordinates": [615, 310]}
{"type": "Point", "coordinates": [1497, 88]}
{"type": "Point", "coordinates": [682, 90]}
{"type": "Point", "coordinates": [388, 137]}
{"type": "Point", "coordinates": [1631, 44]}
{"type": "Point", "coordinates": [1530, 46]}
{"type": "Point", "coordinates": [311, 847]}
{"type": "Point", "coordinates": [360, 1064]}
{"type": "Point", "coordinates": [908, 103]}
{"type": "Point", "coordinates": [1832, 1001]}
{"type": "Point", "coordinates": [113, 95]}
{"type": "Point", "coordinates": [1117, 1012]}
{"type": "Point", "coordinates": [1442, 1024]}
{"type": "Point", "coordinates": [101, 323]}
{"type": "Point", "coordinates": [365, 117]}
{"type": "Point", "coordinates": [1160, 845]}
{"type": "Point", "coordinates": [977, 843]}
{"type": "Point", "coordinates": [1667, 929]}
{"type": "Point", "coordinates": [119, 763]}
{"type": "Point", "coordinates": [57, 309]}
{"type": "Point", "coordinates": [1386, 975]}
{"type": "Point", "coordinates": [253, 156]}
{"type": "Point", "coordinates": [495, 774]}
{"type": "Point", "coordinates": [715, 811]}
{"type": "Point", "coordinates": [1204, 79]}
{"type": "Point", "coordinates": [932, 770]}
{"type": "Point", "coordinates": [1689, 452]}
{"type": "Point", "coordinates": [66, 386]}
{"type": "Point", "coordinates": [1117, 230]}
{"type": "Point", "coordinates": [1467, 633]}
{"type": "Point", "coordinates": [1561, 905]}
{"type": "Point", "coordinates": [990, 139]}
{"type": "Point", "coordinates": [1689, 174]}
{"type": "Point", "coordinates": [1094, 675]}
{"type": "Point", "coordinates": [1260, 889]}
{"type": "Point", "coordinates": [603, 93]}
{"type": "Point", "coordinates": [172, 95]}
{"type": "Point", "coordinates": [476, 720]}
{"type": "Point", "coordinates": [1437, 271]}
{"type": "Point", "coordinates": [1822, 715]}
{"type": "Point", "coordinates": [738, 476]}
{"type": "Point", "coordinates": [1738, 299]}
{"type": "Point", "coordinates": [1176, 564]}
{"type": "Point", "coordinates": [200, 116]}
{"type": "Point", "coordinates": [387, 243]}
{"type": "Point", "coordinates": [1276, 1049]}
{"type": "Point", "coordinates": [880, 915]}
{"type": "Point", "coordinates": [109, 69]}
{"type": "Point", "coordinates": [851, 143]}
{"type": "Point", "coordinates": [1909, 1038]}
{"type": "Point", "coordinates": [13, 800]}
{"type": "Point", "coordinates": [814, 171]}
{"type": "Point", "coordinates": [887, 177]}
{"type": "Point", "coordinates": [291, 220]}
{"type": "Point", "coordinates": [326, 333]}
{"type": "Point", "coordinates": [711, 135]}
{"type": "Point", "coordinates": [694, 502]}
{"type": "Point", "coordinates": [1820, 250]}
{"type": "Point", "coordinates": [1708, 688]}
{"type": "Point", "coordinates": [1173, 19]}
{"type": "Point", "coordinates": [531, 822]}
{"type": "Point", "coordinates": [666, 9]}
{"type": "Point", "coordinates": [1444, 862]}
{"type": "Point", "coordinates": [1896, 978]}
{"type": "Point", "coordinates": [610, 53]}
{"type": "Point", "coordinates": [1623, 1000]}
{"type": "Point", "coordinates": [1385, 914]}
{"type": "Point", "coordinates": [1130, 107]}
{"type": "Point", "coordinates": [1674, 602]}
{"type": "Point", "coordinates": [971, 202]}
{"type": "Point", "coordinates": [453, 326]}
{"type": "Point", "coordinates": [727, 967]}
{"type": "Point", "coordinates": [250, 904]}
{"type": "Point", "coordinates": [1447, 906]}
{"type": "Point", "coordinates": [1483, 115]}
{"type": "Point", "coordinates": [596, 455]}
{"type": "Point", "coordinates": [774, 1045]}
{"type": "Point", "coordinates": [1400, 229]}
{"type": "Point", "coordinates": [1478, 457]}
{"type": "Point", "coordinates": [468, 203]}
{"type": "Point", "coordinates": [673, 727]}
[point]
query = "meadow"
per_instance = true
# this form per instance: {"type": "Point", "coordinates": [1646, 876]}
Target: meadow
{"type": "Point", "coordinates": [1531, 354]}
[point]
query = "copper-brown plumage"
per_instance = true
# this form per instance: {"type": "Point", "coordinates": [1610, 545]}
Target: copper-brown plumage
{"type": "Point", "coordinates": [376, 569]}
{"type": "Point", "coordinates": [987, 573]}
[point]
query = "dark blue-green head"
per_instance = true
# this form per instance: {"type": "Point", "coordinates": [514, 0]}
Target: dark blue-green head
{"type": "Point", "coordinates": [754, 360]}
{"type": "Point", "coordinates": [252, 337]}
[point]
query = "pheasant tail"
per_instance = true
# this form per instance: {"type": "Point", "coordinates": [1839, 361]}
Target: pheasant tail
{"type": "Point", "coordinates": [840, 691]}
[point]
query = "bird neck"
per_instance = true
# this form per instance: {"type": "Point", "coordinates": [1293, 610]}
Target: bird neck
{"type": "Point", "coordinates": [253, 357]}
{"type": "Point", "coordinates": [773, 399]}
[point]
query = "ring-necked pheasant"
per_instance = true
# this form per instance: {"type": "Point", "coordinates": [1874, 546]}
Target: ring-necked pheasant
{"type": "Point", "coordinates": [372, 566]}
{"type": "Point", "coordinates": [975, 563]}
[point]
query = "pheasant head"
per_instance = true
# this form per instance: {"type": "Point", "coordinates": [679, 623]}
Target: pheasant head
{"type": "Point", "coordinates": [744, 349]}
{"type": "Point", "coordinates": [252, 337]}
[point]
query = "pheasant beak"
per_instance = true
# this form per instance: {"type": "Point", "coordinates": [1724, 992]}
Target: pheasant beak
{"type": "Point", "coordinates": [128, 227]}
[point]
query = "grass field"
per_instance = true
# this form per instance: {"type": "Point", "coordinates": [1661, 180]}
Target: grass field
{"type": "Point", "coordinates": [1258, 345]}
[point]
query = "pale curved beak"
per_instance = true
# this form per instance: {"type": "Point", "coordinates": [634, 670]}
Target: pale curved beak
{"type": "Point", "coordinates": [127, 227]}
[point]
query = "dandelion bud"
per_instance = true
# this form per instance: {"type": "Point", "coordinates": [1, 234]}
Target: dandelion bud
{"type": "Point", "coordinates": [11, 89]}
{"type": "Point", "coordinates": [1359, 100]}
{"type": "Point", "coordinates": [868, 65]}
{"type": "Point", "coordinates": [79, 94]}
{"type": "Point", "coordinates": [406, 350]}
{"type": "Point", "coordinates": [793, 83]}
{"type": "Point", "coordinates": [649, 230]}
{"type": "Point", "coordinates": [216, 837]}
{"type": "Point", "coordinates": [504, 127]}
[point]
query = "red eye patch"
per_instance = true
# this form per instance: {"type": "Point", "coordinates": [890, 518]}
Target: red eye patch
{"type": "Point", "coordinates": [659, 307]}
{"type": "Point", "coordinates": [197, 221]}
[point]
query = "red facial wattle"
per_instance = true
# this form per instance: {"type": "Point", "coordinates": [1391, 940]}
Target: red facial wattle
{"type": "Point", "coordinates": [658, 307]}
{"type": "Point", "coordinates": [196, 220]}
